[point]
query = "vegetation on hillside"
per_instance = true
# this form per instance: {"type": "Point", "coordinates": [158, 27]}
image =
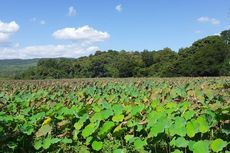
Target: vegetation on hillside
{"type": "Point", "coordinates": [206, 57]}
{"type": "Point", "coordinates": [9, 68]}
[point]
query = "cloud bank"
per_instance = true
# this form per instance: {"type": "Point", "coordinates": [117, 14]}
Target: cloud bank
{"type": "Point", "coordinates": [84, 33]}
{"type": "Point", "coordinates": [205, 19]}
{"type": "Point", "coordinates": [82, 42]}
{"type": "Point", "coordinates": [7, 29]}
{"type": "Point", "coordinates": [47, 51]}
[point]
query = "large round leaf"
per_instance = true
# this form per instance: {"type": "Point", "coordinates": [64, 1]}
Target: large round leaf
{"type": "Point", "coordinates": [177, 151]}
{"type": "Point", "coordinates": [118, 109]}
{"type": "Point", "coordinates": [97, 145]}
{"type": "Point", "coordinates": [218, 145]}
{"type": "Point", "coordinates": [139, 144]}
{"type": "Point", "coordinates": [47, 143]}
{"type": "Point", "coordinates": [118, 118]}
{"type": "Point", "coordinates": [78, 125]}
{"type": "Point", "coordinates": [201, 147]}
{"type": "Point", "coordinates": [89, 129]}
{"type": "Point", "coordinates": [106, 114]}
{"type": "Point", "coordinates": [106, 128]}
{"type": "Point", "coordinates": [203, 124]}
{"type": "Point", "coordinates": [179, 142]}
{"type": "Point", "coordinates": [137, 109]}
{"type": "Point", "coordinates": [192, 128]}
{"type": "Point", "coordinates": [180, 126]}
{"type": "Point", "coordinates": [189, 114]}
{"type": "Point", "coordinates": [158, 127]}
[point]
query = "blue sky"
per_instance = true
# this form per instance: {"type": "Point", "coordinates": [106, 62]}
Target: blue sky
{"type": "Point", "coordinates": [73, 28]}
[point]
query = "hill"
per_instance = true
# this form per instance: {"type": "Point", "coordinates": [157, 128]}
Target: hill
{"type": "Point", "coordinates": [209, 56]}
{"type": "Point", "coordinates": [11, 67]}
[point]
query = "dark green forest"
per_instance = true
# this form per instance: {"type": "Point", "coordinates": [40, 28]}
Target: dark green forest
{"type": "Point", "coordinates": [209, 56]}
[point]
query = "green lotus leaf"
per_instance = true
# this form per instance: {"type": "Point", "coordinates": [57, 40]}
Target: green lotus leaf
{"type": "Point", "coordinates": [192, 128]}
{"type": "Point", "coordinates": [97, 145]}
{"type": "Point", "coordinates": [66, 140]}
{"type": "Point", "coordinates": [47, 143]}
{"type": "Point", "coordinates": [181, 142]}
{"type": "Point", "coordinates": [118, 118]}
{"type": "Point", "coordinates": [106, 128]}
{"type": "Point", "coordinates": [89, 129]}
{"type": "Point", "coordinates": [218, 145]}
{"type": "Point", "coordinates": [105, 114]}
{"type": "Point", "coordinates": [78, 125]}
{"type": "Point", "coordinates": [137, 109]}
{"type": "Point", "coordinates": [177, 151]}
{"type": "Point", "coordinates": [201, 147]}
{"type": "Point", "coordinates": [129, 138]}
{"type": "Point", "coordinates": [118, 109]}
{"type": "Point", "coordinates": [189, 114]}
{"type": "Point", "coordinates": [38, 144]}
{"type": "Point", "coordinates": [139, 144]}
{"type": "Point", "coordinates": [203, 124]}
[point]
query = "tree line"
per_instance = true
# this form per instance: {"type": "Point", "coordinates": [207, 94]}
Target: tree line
{"type": "Point", "coordinates": [209, 56]}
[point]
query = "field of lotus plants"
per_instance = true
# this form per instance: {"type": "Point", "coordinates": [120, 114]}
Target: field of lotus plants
{"type": "Point", "coordinates": [170, 115]}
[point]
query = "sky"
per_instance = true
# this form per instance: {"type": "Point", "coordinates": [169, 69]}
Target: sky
{"type": "Point", "coordinates": [75, 28]}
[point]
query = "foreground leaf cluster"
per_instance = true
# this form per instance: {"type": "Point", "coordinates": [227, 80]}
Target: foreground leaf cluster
{"type": "Point", "coordinates": [115, 115]}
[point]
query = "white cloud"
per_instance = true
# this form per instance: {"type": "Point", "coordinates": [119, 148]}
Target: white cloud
{"type": "Point", "coordinates": [4, 37]}
{"type": "Point", "coordinates": [205, 19]}
{"type": "Point", "coordinates": [215, 21]}
{"type": "Point", "coordinates": [47, 51]}
{"type": "Point", "coordinates": [9, 27]}
{"type": "Point", "coordinates": [119, 8]}
{"type": "Point", "coordinates": [198, 31]}
{"type": "Point", "coordinates": [72, 11]}
{"type": "Point", "coordinates": [38, 21]}
{"type": "Point", "coordinates": [85, 34]}
{"type": "Point", "coordinates": [42, 22]}
{"type": "Point", "coordinates": [93, 48]}
{"type": "Point", "coordinates": [6, 30]}
{"type": "Point", "coordinates": [217, 34]}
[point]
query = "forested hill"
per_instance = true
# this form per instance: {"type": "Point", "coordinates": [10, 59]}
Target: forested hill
{"type": "Point", "coordinates": [11, 67]}
{"type": "Point", "coordinates": [206, 57]}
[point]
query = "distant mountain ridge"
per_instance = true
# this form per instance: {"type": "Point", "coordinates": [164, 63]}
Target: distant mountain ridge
{"type": "Point", "coordinates": [11, 67]}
